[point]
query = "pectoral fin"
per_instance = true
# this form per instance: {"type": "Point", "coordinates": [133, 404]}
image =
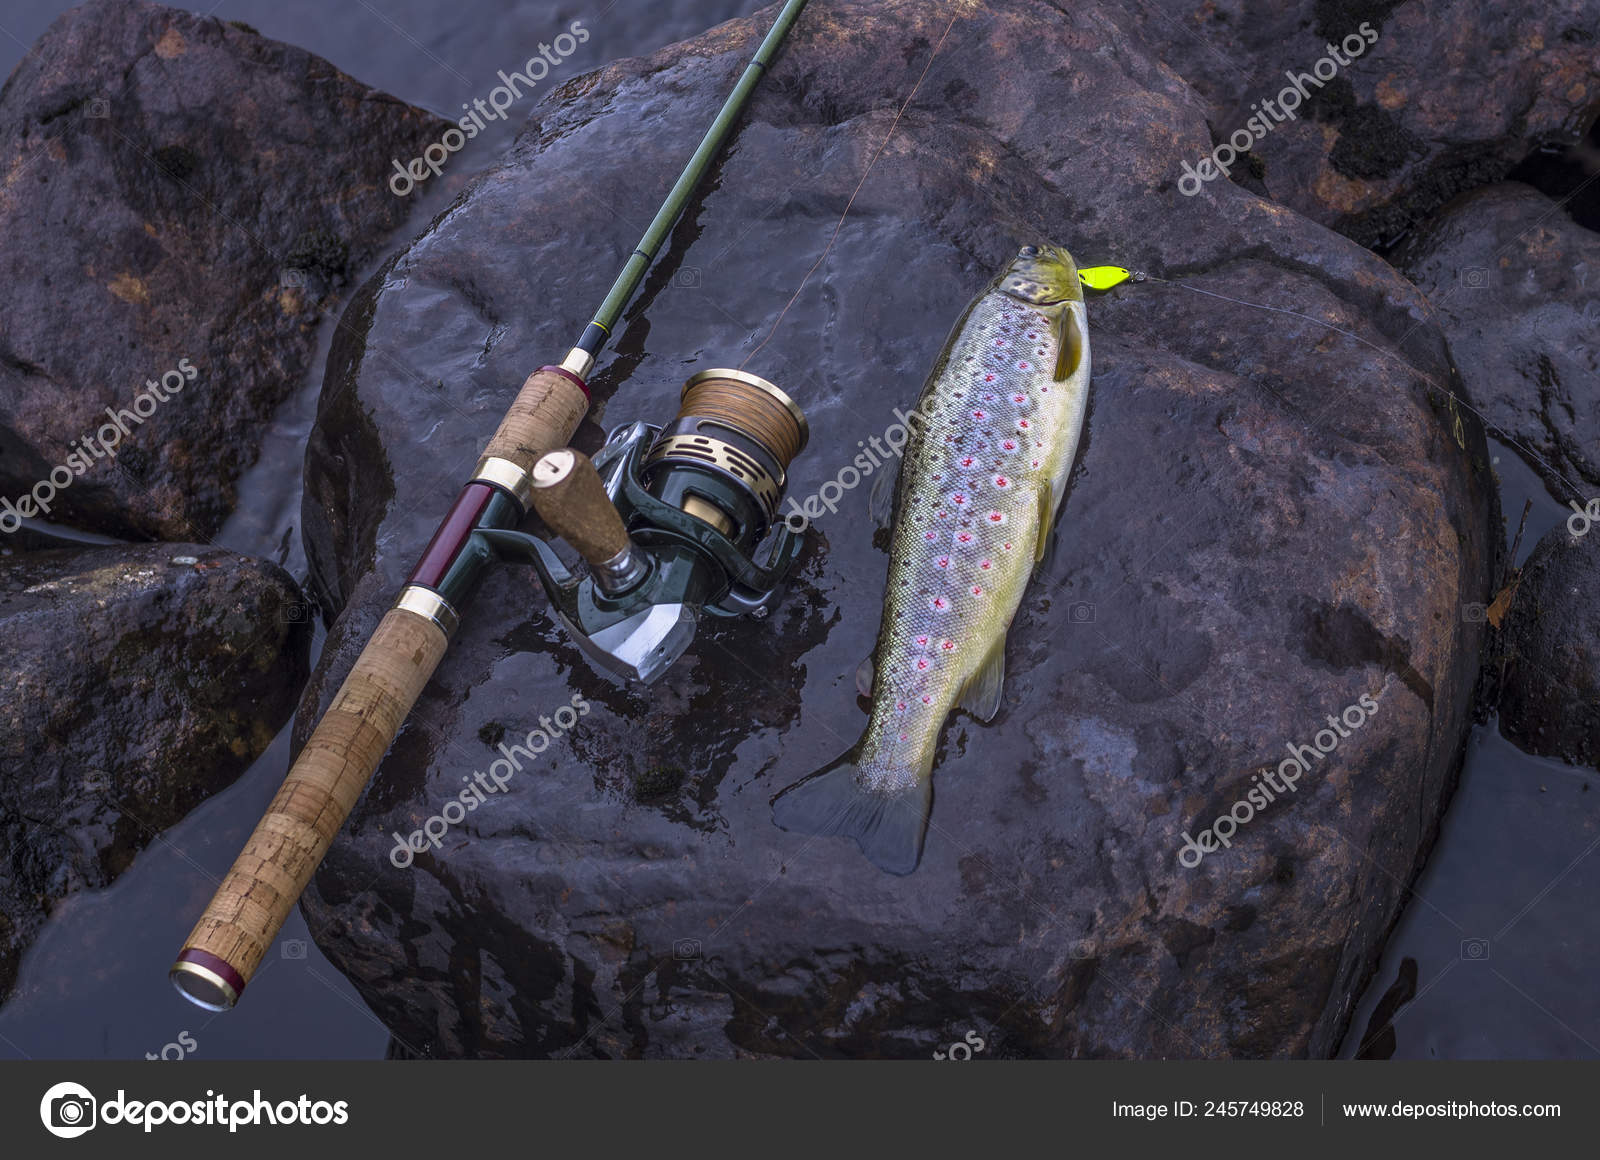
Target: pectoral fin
{"type": "Point", "coordinates": [981, 695]}
{"type": "Point", "coordinates": [1070, 344]}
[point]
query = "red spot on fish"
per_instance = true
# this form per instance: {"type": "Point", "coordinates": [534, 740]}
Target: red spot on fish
{"type": "Point", "coordinates": [1008, 445]}
{"type": "Point", "coordinates": [976, 591]}
{"type": "Point", "coordinates": [986, 564]}
{"type": "Point", "coordinates": [1023, 425]}
{"type": "Point", "coordinates": [942, 562]}
{"type": "Point", "coordinates": [900, 705]}
{"type": "Point", "coordinates": [1002, 482]}
{"type": "Point", "coordinates": [938, 604]}
{"type": "Point", "coordinates": [930, 535]}
{"type": "Point", "coordinates": [903, 737]}
{"type": "Point", "coordinates": [980, 415]}
{"type": "Point", "coordinates": [922, 664]}
{"type": "Point", "coordinates": [958, 499]}
{"type": "Point", "coordinates": [996, 517]}
{"type": "Point", "coordinates": [947, 645]}
{"type": "Point", "coordinates": [1022, 366]}
{"type": "Point", "coordinates": [1007, 547]}
{"type": "Point", "coordinates": [923, 641]}
{"type": "Point", "coordinates": [963, 537]}
{"type": "Point", "coordinates": [925, 701]}
{"type": "Point", "coordinates": [1019, 399]}
{"type": "Point", "coordinates": [968, 461]}
{"type": "Point", "coordinates": [988, 378]}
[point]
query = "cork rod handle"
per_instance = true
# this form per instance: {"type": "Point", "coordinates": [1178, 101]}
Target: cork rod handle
{"type": "Point", "coordinates": [227, 944]}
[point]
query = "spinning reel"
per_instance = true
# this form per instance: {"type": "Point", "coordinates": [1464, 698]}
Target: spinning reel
{"type": "Point", "coordinates": [669, 520]}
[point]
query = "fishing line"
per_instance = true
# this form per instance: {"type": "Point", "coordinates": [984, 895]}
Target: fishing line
{"type": "Point", "coordinates": [865, 174]}
{"type": "Point", "coordinates": [1386, 353]}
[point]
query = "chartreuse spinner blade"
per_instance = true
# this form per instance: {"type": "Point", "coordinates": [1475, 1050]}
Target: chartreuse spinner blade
{"type": "Point", "coordinates": [1105, 277]}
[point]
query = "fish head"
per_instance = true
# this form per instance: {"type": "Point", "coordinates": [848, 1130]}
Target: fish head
{"type": "Point", "coordinates": [1042, 275]}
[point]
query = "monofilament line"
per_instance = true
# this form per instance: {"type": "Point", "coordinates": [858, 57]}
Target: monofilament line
{"type": "Point", "coordinates": [893, 125]}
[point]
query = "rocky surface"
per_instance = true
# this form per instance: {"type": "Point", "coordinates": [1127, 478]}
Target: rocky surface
{"type": "Point", "coordinates": [1452, 94]}
{"type": "Point", "coordinates": [1515, 285]}
{"type": "Point", "coordinates": [137, 684]}
{"type": "Point", "coordinates": [1550, 695]}
{"type": "Point", "coordinates": [1277, 511]}
{"type": "Point", "coordinates": [173, 188]}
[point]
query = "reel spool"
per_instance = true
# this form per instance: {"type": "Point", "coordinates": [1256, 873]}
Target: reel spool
{"type": "Point", "coordinates": [724, 458]}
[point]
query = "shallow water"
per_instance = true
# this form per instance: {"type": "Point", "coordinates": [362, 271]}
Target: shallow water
{"type": "Point", "coordinates": [1498, 932]}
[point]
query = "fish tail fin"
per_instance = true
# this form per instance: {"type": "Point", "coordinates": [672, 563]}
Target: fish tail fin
{"type": "Point", "coordinates": [888, 826]}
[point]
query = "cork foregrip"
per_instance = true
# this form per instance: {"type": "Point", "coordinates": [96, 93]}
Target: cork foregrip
{"type": "Point", "coordinates": [282, 854]}
{"type": "Point", "coordinates": [543, 417]}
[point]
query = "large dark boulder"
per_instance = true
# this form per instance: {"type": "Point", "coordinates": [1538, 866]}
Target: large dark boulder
{"type": "Point", "coordinates": [139, 680]}
{"type": "Point", "coordinates": [1550, 695]}
{"type": "Point", "coordinates": [1279, 510]}
{"type": "Point", "coordinates": [178, 193]}
{"type": "Point", "coordinates": [1515, 285]}
{"type": "Point", "coordinates": [1445, 96]}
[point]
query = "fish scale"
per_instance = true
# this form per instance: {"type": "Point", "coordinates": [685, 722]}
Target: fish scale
{"type": "Point", "coordinates": [982, 473]}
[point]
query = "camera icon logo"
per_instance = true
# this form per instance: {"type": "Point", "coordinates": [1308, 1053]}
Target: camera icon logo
{"type": "Point", "coordinates": [99, 108]}
{"type": "Point", "coordinates": [686, 950]}
{"type": "Point", "coordinates": [1475, 949]}
{"type": "Point", "coordinates": [1474, 613]}
{"type": "Point", "coordinates": [68, 1110]}
{"type": "Point", "coordinates": [1080, 612]}
{"type": "Point", "coordinates": [293, 948]}
{"type": "Point", "coordinates": [1475, 277]}
{"type": "Point", "coordinates": [296, 612]}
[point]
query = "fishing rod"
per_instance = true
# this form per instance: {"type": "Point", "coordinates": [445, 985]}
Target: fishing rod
{"type": "Point", "coordinates": [668, 520]}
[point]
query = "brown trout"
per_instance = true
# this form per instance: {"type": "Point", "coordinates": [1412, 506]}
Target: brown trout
{"type": "Point", "coordinates": [983, 475]}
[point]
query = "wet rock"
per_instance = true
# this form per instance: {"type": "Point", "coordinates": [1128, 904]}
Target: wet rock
{"type": "Point", "coordinates": [1516, 287]}
{"type": "Point", "coordinates": [178, 193]}
{"type": "Point", "coordinates": [139, 680]}
{"type": "Point", "coordinates": [1443, 97]}
{"type": "Point", "coordinates": [1277, 512]}
{"type": "Point", "coordinates": [1550, 698]}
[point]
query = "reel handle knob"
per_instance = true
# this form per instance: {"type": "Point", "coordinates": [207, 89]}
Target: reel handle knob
{"type": "Point", "coordinates": [568, 495]}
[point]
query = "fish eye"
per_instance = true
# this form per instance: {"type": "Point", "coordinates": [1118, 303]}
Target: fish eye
{"type": "Point", "coordinates": [1029, 251]}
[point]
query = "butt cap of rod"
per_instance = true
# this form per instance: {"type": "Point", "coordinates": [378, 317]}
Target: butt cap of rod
{"type": "Point", "coordinates": [205, 980]}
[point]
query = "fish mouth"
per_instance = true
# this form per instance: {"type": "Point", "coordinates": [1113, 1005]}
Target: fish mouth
{"type": "Point", "coordinates": [1042, 275]}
